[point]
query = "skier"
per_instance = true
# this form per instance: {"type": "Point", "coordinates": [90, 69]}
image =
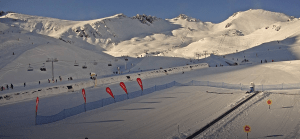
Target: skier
{"type": "Point", "coordinates": [24, 84]}
{"type": "Point", "coordinates": [39, 82]}
{"type": "Point", "coordinates": [260, 61]}
{"type": "Point", "coordinates": [7, 86]}
{"type": "Point", "coordinates": [56, 80]}
{"type": "Point", "coordinates": [11, 86]}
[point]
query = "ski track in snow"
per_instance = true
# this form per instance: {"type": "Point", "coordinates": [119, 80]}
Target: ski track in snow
{"type": "Point", "coordinates": [162, 43]}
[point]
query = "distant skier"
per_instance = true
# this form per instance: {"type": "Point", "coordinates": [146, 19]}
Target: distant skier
{"type": "Point", "coordinates": [24, 84]}
{"type": "Point", "coordinates": [11, 86]}
{"type": "Point", "coordinates": [39, 82]}
{"type": "Point", "coordinates": [13, 53]}
{"type": "Point", "coordinates": [7, 86]}
{"type": "Point", "coordinates": [260, 61]}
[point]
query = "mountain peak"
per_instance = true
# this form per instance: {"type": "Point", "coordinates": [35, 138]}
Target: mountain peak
{"type": "Point", "coordinates": [261, 12]}
{"type": "Point", "coordinates": [120, 15]}
{"type": "Point", "coordinates": [185, 17]}
{"type": "Point", "coordinates": [145, 18]}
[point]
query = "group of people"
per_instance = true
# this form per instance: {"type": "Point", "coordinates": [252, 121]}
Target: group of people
{"type": "Point", "coordinates": [12, 86]}
{"type": "Point", "coordinates": [7, 87]}
{"type": "Point", "coordinates": [265, 61]}
{"type": "Point", "coordinates": [60, 78]}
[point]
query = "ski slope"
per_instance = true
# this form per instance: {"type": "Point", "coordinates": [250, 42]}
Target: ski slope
{"type": "Point", "coordinates": [144, 117]}
{"type": "Point", "coordinates": [252, 39]}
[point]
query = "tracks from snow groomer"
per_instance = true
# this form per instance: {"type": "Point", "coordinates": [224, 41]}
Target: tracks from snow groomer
{"type": "Point", "coordinates": [220, 117]}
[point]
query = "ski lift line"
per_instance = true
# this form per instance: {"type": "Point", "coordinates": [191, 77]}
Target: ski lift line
{"type": "Point", "coordinates": [91, 61]}
{"type": "Point", "coordinates": [31, 64]}
{"type": "Point", "coordinates": [41, 62]}
{"type": "Point", "coordinates": [18, 66]}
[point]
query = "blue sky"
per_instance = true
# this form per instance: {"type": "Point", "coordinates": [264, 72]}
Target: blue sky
{"type": "Point", "coordinates": [206, 10]}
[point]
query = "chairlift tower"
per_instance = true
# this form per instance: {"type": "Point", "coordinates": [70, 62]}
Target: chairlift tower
{"type": "Point", "coordinates": [205, 53]}
{"type": "Point", "coordinates": [126, 59]}
{"type": "Point", "coordinates": [52, 60]}
{"type": "Point", "coordinates": [198, 55]}
{"type": "Point", "coordinates": [146, 52]}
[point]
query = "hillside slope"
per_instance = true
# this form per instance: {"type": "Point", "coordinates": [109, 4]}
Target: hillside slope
{"type": "Point", "coordinates": [97, 43]}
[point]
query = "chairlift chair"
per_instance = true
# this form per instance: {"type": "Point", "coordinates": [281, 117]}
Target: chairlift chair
{"type": "Point", "coordinates": [76, 64]}
{"type": "Point", "coordinates": [29, 68]}
{"type": "Point", "coordinates": [48, 60]}
{"type": "Point", "coordinates": [43, 68]}
{"type": "Point", "coordinates": [84, 66]}
{"type": "Point", "coordinates": [55, 60]}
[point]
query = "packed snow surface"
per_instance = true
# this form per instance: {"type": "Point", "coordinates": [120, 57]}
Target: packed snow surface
{"type": "Point", "coordinates": [263, 45]}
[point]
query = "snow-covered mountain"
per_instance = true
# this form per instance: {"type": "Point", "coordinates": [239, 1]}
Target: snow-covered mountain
{"type": "Point", "coordinates": [136, 46]}
{"type": "Point", "coordinates": [35, 39]}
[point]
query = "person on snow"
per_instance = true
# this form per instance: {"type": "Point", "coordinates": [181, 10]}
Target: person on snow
{"type": "Point", "coordinates": [24, 84]}
{"type": "Point", "coordinates": [7, 86]}
{"type": "Point", "coordinates": [11, 86]}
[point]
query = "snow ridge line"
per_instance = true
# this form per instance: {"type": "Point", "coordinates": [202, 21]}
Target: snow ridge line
{"type": "Point", "coordinates": [220, 117]}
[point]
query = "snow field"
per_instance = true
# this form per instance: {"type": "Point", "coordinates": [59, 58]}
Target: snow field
{"type": "Point", "coordinates": [143, 117]}
{"type": "Point", "coordinates": [270, 35]}
{"type": "Point", "coordinates": [279, 121]}
{"type": "Point", "coordinates": [14, 97]}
